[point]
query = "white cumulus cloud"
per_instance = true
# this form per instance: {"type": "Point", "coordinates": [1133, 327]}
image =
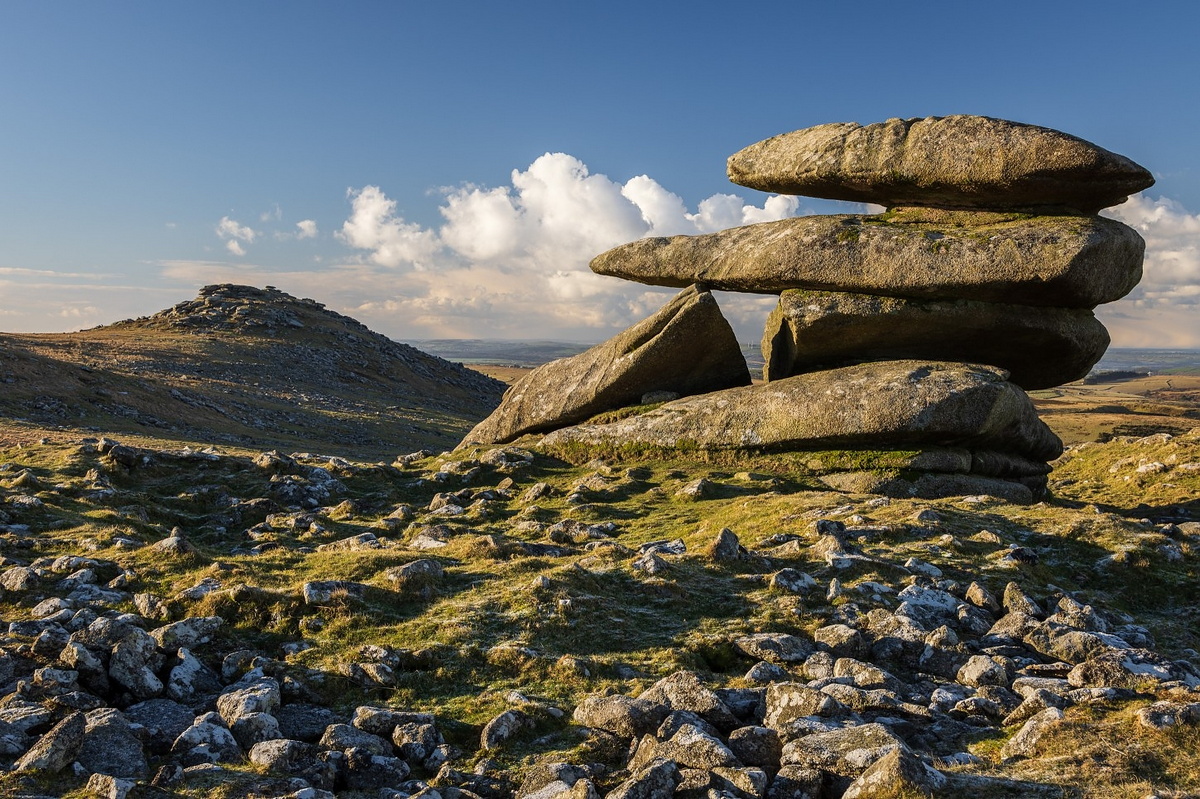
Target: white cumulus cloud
{"type": "Point", "coordinates": [374, 226]}
{"type": "Point", "coordinates": [306, 229]}
{"type": "Point", "coordinates": [234, 234]}
{"type": "Point", "coordinates": [512, 261]}
{"type": "Point", "coordinates": [1162, 310]}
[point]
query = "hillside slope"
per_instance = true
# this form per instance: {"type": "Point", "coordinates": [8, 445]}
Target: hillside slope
{"type": "Point", "coordinates": [249, 366]}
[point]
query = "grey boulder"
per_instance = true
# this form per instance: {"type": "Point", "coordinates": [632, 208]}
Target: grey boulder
{"type": "Point", "coordinates": [1059, 261]}
{"type": "Point", "coordinates": [959, 161]}
{"type": "Point", "coordinates": [897, 403]}
{"type": "Point", "coordinates": [686, 348]}
{"type": "Point", "coordinates": [1040, 347]}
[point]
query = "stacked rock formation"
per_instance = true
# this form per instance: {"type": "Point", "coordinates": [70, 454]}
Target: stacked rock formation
{"type": "Point", "coordinates": [911, 332]}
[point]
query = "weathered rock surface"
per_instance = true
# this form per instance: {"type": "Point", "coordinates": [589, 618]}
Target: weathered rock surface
{"type": "Point", "coordinates": [933, 485]}
{"type": "Point", "coordinates": [956, 161]}
{"type": "Point", "coordinates": [899, 402]}
{"type": "Point", "coordinates": [1059, 261]}
{"type": "Point", "coordinates": [686, 348]}
{"type": "Point", "coordinates": [1040, 347]}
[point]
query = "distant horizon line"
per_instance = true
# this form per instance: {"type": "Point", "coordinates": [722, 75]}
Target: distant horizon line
{"type": "Point", "coordinates": [741, 343]}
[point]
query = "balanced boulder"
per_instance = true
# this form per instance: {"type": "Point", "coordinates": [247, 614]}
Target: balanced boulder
{"type": "Point", "coordinates": [686, 348]}
{"type": "Point", "coordinates": [889, 355]}
{"type": "Point", "coordinates": [951, 162]}
{"type": "Point", "coordinates": [1065, 261]}
{"type": "Point", "coordinates": [1040, 347]}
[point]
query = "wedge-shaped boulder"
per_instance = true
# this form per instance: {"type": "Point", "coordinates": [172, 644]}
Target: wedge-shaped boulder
{"type": "Point", "coordinates": [900, 403]}
{"type": "Point", "coordinates": [686, 348]}
{"type": "Point", "coordinates": [954, 162]}
{"type": "Point", "coordinates": [1040, 347]}
{"type": "Point", "coordinates": [1063, 261]}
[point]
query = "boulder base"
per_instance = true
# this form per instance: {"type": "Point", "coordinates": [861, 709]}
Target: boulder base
{"type": "Point", "coordinates": [1063, 261]}
{"type": "Point", "coordinates": [686, 348]}
{"type": "Point", "coordinates": [1040, 347]}
{"type": "Point", "coordinates": [951, 162]}
{"type": "Point", "coordinates": [900, 403]}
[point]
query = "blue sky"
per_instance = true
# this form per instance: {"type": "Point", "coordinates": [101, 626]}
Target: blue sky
{"type": "Point", "coordinates": [447, 169]}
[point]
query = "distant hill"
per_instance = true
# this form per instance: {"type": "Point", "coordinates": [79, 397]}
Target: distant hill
{"type": "Point", "coordinates": [524, 354]}
{"type": "Point", "coordinates": [246, 366]}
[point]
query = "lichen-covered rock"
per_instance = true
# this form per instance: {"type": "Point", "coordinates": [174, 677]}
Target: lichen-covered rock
{"type": "Point", "coordinates": [757, 746]}
{"type": "Point", "coordinates": [686, 348]}
{"type": "Point", "coordinates": [188, 633]}
{"type": "Point", "coordinates": [503, 727]}
{"type": "Point", "coordinates": [1040, 347]}
{"type": "Point", "coordinates": [106, 786]}
{"type": "Point", "coordinates": [959, 161]}
{"type": "Point", "coordinates": [1025, 742]}
{"type": "Point", "coordinates": [684, 690]}
{"type": "Point", "coordinates": [190, 678]}
{"type": "Point", "coordinates": [163, 719]}
{"type": "Point", "coordinates": [368, 771]}
{"type": "Point", "coordinates": [1124, 668]}
{"type": "Point", "coordinates": [131, 664]}
{"type": "Point", "coordinates": [344, 737]}
{"type": "Point", "coordinates": [625, 716]}
{"type": "Point", "coordinates": [110, 745]}
{"type": "Point", "coordinates": [898, 402]}
{"type": "Point", "coordinates": [983, 670]}
{"type": "Point", "coordinates": [848, 751]}
{"type": "Point", "coordinates": [295, 758]}
{"type": "Point", "coordinates": [55, 750]}
{"type": "Point", "coordinates": [1069, 644]}
{"type": "Point", "coordinates": [788, 701]}
{"type": "Point", "coordinates": [897, 772]}
{"type": "Point", "coordinates": [778, 648]}
{"type": "Point", "coordinates": [1057, 261]}
{"type": "Point", "coordinates": [304, 722]}
{"type": "Point", "coordinates": [656, 781]}
{"type": "Point", "coordinates": [260, 696]}
{"type": "Point", "coordinates": [932, 485]}
{"type": "Point", "coordinates": [207, 740]}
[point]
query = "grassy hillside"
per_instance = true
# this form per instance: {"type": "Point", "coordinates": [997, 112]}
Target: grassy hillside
{"type": "Point", "coordinates": [246, 366]}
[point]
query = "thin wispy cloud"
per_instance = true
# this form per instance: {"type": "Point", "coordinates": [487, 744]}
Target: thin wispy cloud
{"type": "Point", "coordinates": [13, 271]}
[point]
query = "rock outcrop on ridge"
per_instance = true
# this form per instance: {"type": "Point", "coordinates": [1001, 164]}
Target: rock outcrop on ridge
{"type": "Point", "coordinates": [891, 327]}
{"type": "Point", "coordinates": [245, 365]}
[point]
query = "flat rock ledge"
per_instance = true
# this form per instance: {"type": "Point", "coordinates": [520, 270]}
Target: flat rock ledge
{"type": "Point", "coordinates": [1040, 347]}
{"type": "Point", "coordinates": [900, 403]}
{"type": "Point", "coordinates": [1063, 261]}
{"type": "Point", "coordinates": [956, 161]}
{"type": "Point", "coordinates": [686, 348]}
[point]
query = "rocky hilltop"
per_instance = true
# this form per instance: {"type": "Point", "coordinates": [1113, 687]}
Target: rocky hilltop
{"type": "Point", "coordinates": [907, 337]}
{"type": "Point", "coordinates": [244, 365]}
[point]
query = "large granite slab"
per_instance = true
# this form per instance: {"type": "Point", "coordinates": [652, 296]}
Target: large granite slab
{"type": "Point", "coordinates": [949, 162]}
{"type": "Point", "coordinates": [1063, 261]}
{"type": "Point", "coordinates": [1040, 347]}
{"type": "Point", "coordinates": [893, 404]}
